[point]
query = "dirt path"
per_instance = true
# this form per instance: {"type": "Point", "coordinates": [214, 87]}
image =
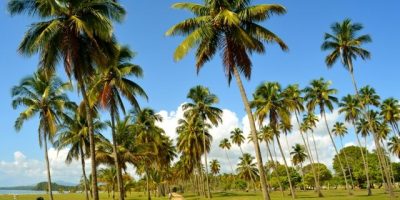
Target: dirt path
{"type": "Point", "coordinates": [176, 196]}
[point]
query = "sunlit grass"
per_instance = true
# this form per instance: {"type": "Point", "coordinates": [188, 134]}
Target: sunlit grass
{"type": "Point", "coordinates": [329, 195]}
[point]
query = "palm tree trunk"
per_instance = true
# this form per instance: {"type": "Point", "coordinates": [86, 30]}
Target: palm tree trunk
{"type": "Point", "coordinates": [316, 155]}
{"type": "Point", "coordinates": [148, 185]}
{"type": "Point", "coordinates": [116, 160]}
{"type": "Point", "coordinates": [365, 163]}
{"type": "Point", "coordinates": [384, 166]}
{"type": "Point", "coordinates": [347, 164]}
{"type": "Point", "coordinates": [48, 169]}
{"type": "Point", "coordinates": [308, 149]}
{"type": "Point", "coordinates": [201, 180]}
{"type": "Point", "coordinates": [254, 134]}
{"type": "Point", "coordinates": [287, 169]}
{"type": "Point", "coordinates": [229, 161]}
{"type": "Point", "coordinates": [206, 165]}
{"type": "Point", "coordinates": [274, 168]}
{"type": "Point", "coordinates": [337, 153]}
{"type": "Point", "coordinates": [89, 118]}
{"type": "Point", "coordinates": [84, 171]}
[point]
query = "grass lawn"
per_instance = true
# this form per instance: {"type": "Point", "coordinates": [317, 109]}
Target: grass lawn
{"type": "Point", "coordinates": [329, 195]}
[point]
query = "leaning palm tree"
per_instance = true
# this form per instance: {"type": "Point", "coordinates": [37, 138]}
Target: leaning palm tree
{"type": "Point", "coordinates": [232, 28]}
{"type": "Point", "coordinates": [394, 145]}
{"type": "Point", "coordinates": [269, 102]}
{"type": "Point", "coordinates": [345, 44]}
{"type": "Point", "coordinates": [202, 107]}
{"type": "Point", "coordinates": [390, 110]}
{"type": "Point", "coordinates": [75, 33]}
{"type": "Point", "coordinates": [299, 156]}
{"type": "Point", "coordinates": [43, 95]}
{"type": "Point", "coordinates": [350, 106]}
{"type": "Point", "coordinates": [340, 130]}
{"type": "Point", "coordinates": [319, 94]}
{"type": "Point", "coordinates": [226, 145]}
{"type": "Point", "coordinates": [110, 85]}
{"type": "Point", "coordinates": [73, 134]}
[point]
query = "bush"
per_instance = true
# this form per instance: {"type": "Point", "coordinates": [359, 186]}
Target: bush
{"type": "Point", "coordinates": [40, 198]}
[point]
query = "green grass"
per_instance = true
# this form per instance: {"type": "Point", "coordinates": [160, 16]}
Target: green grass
{"type": "Point", "coordinates": [329, 195]}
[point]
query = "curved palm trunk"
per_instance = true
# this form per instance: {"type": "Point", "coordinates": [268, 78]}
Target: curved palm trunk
{"type": "Point", "coordinates": [84, 172]}
{"type": "Point", "coordinates": [287, 169]}
{"type": "Point", "coordinates": [254, 134]}
{"type": "Point", "coordinates": [316, 155]}
{"type": "Point", "coordinates": [384, 166]}
{"type": "Point", "coordinates": [337, 153]}
{"type": "Point", "coordinates": [347, 164]}
{"type": "Point", "coordinates": [229, 161]}
{"type": "Point", "coordinates": [307, 147]}
{"type": "Point", "coordinates": [148, 185]}
{"type": "Point", "coordinates": [275, 170]}
{"type": "Point", "coordinates": [365, 163]}
{"type": "Point", "coordinates": [206, 165]}
{"type": "Point", "coordinates": [116, 160]}
{"type": "Point", "coordinates": [48, 170]}
{"type": "Point", "coordinates": [89, 118]}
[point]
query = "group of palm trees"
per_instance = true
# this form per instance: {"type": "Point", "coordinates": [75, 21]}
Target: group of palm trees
{"type": "Point", "coordinates": [79, 36]}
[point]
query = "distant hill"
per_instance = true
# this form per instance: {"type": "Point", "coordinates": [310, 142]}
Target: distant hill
{"type": "Point", "coordinates": [65, 183]}
{"type": "Point", "coordinates": [42, 186]}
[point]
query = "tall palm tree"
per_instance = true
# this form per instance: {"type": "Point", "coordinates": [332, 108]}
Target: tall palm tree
{"type": "Point", "coordinates": [345, 44]}
{"type": "Point", "coordinates": [319, 94]}
{"type": "Point", "coordinates": [390, 110]}
{"type": "Point", "coordinates": [202, 107]}
{"type": "Point", "coordinates": [394, 146]}
{"type": "Point", "coordinates": [226, 145]}
{"type": "Point", "coordinates": [299, 156]}
{"type": "Point", "coordinates": [113, 83]}
{"type": "Point", "coordinates": [232, 28]}
{"type": "Point", "coordinates": [75, 33]}
{"type": "Point", "coordinates": [42, 95]}
{"type": "Point", "coordinates": [215, 167]}
{"type": "Point", "coordinates": [339, 129]}
{"type": "Point", "coordinates": [350, 106]}
{"type": "Point", "coordinates": [269, 102]}
{"type": "Point", "coordinates": [73, 134]}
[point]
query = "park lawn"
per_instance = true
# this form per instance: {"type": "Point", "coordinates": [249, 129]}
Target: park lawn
{"type": "Point", "coordinates": [329, 195]}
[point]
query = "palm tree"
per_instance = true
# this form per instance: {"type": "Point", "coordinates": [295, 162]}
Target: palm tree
{"type": "Point", "coordinates": [73, 134]}
{"type": "Point", "coordinates": [108, 176]}
{"type": "Point", "coordinates": [319, 94]}
{"type": "Point", "coordinates": [299, 156]}
{"type": "Point", "coordinates": [339, 129]}
{"type": "Point", "coordinates": [215, 167]}
{"type": "Point", "coordinates": [42, 94]}
{"type": "Point", "coordinates": [202, 107]}
{"type": "Point", "coordinates": [75, 33]}
{"type": "Point", "coordinates": [232, 28]}
{"type": "Point", "coordinates": [346, 45]}
{"type": "Point", "coordinates": [267, 134]}
{"type": "Point", "coordinates": [246, 168]}
{"type": "Point", "coordinates": [112, 83]}
{"type": "Point", "coordinates": [226, 145]}
{"type": "Point", "coordinates": [270, 103]}
{"type": "Point", "coordinates": [394, 145]}
{"type": "Point", "coordinates": [390, 110]}
{"type": "Point", "coordinates": [350, 106]}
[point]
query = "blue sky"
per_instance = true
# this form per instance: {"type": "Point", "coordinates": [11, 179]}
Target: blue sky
{"type": "Point", "coordinates": [167, 82]}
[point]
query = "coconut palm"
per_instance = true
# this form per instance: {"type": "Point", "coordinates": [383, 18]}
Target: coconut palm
{"type": "Point", "coordinates": [246, 167]}
{"type": "Point", "coordinates": [73, 134]}
{"type": "Point", "coordinates": [108, 177]}
{"type": "Point", "coordinates": [390, 110]}
{"type": "Point", "coordinates": [299, 156]}
{"type": "Point", "coordinates": [340, 130]}
{"type": "Point", "coordinates": [394, 145]}
{"type": "Point", "coordinates": [319, 94]}
{"type": "Point", "coordinates": [350, 106]}
{"type": "Point", "coordinates": [269, 102]}
{"type": "Point", "coordinates": [232, 28]}
{"type": "Point", "coordinates": [75, 33]}
{"type": "Point", "coordinates": [345, 44]}
{"type": "Point", "coordinates": [113, 83]}
{"type": "Point", "coordinates": [215, 167]}
{"type": "Point", "coordinates": [237, 138]}
{"type": "Point", "coordinates": [42, 95]}
{"type": "Point", "coordinates": [202, 107]}
{"type": "Point", "coordinates": [226, 145]}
